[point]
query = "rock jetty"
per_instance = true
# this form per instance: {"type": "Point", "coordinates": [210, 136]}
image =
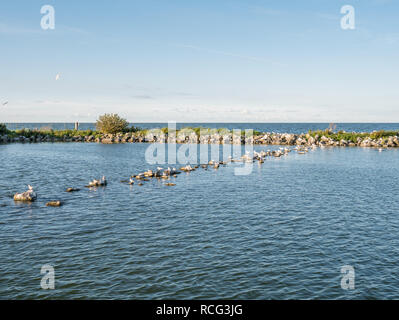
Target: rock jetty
{"type": "Point", "coordinates": [321, 138]}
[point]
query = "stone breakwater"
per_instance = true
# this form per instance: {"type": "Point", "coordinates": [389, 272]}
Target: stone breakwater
{"type": "Point", "coordinates": [356, 140]}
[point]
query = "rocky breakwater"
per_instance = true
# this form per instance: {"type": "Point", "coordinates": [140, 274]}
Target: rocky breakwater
{"type": "Point", "coordinates": [22, 139]}
{"type": "Point", "coordinates": [99, 138]}
{"type": "Point", "coordinates": [380, 139]}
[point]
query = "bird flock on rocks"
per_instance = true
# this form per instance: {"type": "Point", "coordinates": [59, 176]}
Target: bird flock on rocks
{"type": "Point", "coordinates": [165, 174]}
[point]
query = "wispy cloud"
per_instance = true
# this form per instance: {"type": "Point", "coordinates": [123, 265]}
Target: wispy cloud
{"type": "Point", "coordinates": [328, 16]}
{"type": "Point", "coordinates": [147, 93]}
{"type": "Point", "coordinates": [75, 30]}
{"type": "Point", "coordinates": [391, 38]}
{"type": "Point", "coordinates": [143, 97]}
{"type": "Point", "coordinates": [278, 13]}
{"type": "Point", "coordinates": [230, 54]}
{"type": "Point", "coordinates": [11, 29]}
{"type": "Point", "coordinates": [266, 11]}
{"type": "Point", "coordinates": [381, 2]}
{"type": "Point", "coordinates": [14, 30]}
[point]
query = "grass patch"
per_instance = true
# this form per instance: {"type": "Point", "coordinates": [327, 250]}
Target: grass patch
{"type": "Point", "coordinates": [352, 136]}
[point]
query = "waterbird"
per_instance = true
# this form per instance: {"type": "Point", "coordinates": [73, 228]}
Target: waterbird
{"type": "Point", "coordinates": [31, 190]}
{"type": "Point", "coordinates": [94, 182]}
{"type": "Point", "coordinates": [5, 103]}
{"type": "Point", "coordinates": [98, 183]}
{"type": "Point", "coordinates": [29, 195]}
{"type": "Point", "coordinates": [57, 77]}
{"type": "Point", "coordinates": [187, 168]}
{"type": "Point", "coordinates": [157, 174]}
{"type": "Point", "coordinates": [149, 173]}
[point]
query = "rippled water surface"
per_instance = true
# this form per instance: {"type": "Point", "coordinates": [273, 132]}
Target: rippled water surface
{"type": "Point", "coordinates": [282, 232]}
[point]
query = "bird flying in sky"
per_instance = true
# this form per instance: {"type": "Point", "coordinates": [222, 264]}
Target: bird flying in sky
{"type": "Point", "coordinates": [5, 103]}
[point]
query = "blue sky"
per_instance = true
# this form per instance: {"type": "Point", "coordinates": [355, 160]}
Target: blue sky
{"type": "Point", "coordinates": [200, 61]}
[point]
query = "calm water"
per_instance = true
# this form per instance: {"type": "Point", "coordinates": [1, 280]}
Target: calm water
{"type": "Point", "coordinates": [282, 232]}
{"type": "Point", "coordinates": [263, 127]}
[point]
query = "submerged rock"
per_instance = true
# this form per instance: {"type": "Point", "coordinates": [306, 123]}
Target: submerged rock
{"type": "Point", "coordinates": [54, 204]}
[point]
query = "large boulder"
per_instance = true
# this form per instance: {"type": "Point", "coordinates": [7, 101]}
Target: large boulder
{"type": "Point", "coordinates": [107, 140]}
{"type": "Point", "coordinates": [54, 204]}
{"type": "Point", "coordinates": [343, 143]}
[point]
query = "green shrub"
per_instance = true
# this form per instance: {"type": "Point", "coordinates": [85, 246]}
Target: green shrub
{"type": "Point", "coordinates": [224, 131]}
{"type": "Point", "coordinates": [165, 130]}
{"type": "Point", "coordinates": [3, 129]}
{"type": "Point", "coordinates": [111, 123]}
{"type": "Point", "coordinates": [382, 134]}
{"type": "Point", "coordinates": [353, 136]}
{"type": "Point", "coordinates": [133, 129]}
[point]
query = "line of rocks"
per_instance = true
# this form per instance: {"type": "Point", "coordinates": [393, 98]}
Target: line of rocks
{"type": "Point", "coordinates": [192, 137]}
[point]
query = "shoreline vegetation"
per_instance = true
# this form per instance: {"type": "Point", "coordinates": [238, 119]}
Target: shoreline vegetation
{"type": "Point", "coordinates": [199, 135]}
{"type": "Point", "coordinates": [111, 128]}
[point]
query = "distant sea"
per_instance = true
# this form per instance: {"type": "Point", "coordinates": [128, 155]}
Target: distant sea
{"type": "Point", "coordinates": [263, 127]}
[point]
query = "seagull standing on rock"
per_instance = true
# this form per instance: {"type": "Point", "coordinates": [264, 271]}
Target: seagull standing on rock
{"type": "Point", "coordinates": [29, 195]}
